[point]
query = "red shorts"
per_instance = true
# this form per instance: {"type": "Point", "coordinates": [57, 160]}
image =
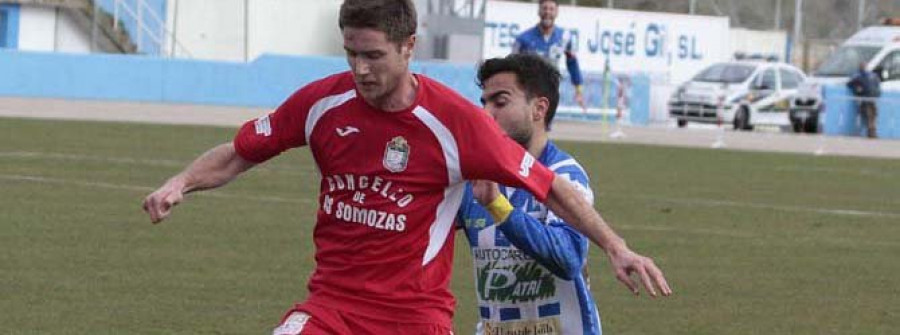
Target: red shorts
{"type": "Point", "coordinates": [313, 319]}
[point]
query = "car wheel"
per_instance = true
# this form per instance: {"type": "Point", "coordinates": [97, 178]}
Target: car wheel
{"type": "Point", "coordinates": [682, 123]}
{"type": "Point", "coordinates": [798, 126]}
{"type": "Point", "coordinates": [742, 120]}
{"type": "Point", "coordinates": [812, 125]}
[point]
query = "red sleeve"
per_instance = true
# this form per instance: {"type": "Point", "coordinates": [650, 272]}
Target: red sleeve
{"type": "Point", "coordinates": [261, 139]}
{"type": "Point", "coordinates": [486, 152]}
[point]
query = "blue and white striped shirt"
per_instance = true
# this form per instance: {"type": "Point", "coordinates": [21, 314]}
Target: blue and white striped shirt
{"type": "Point", "coordinates": [529, 270]}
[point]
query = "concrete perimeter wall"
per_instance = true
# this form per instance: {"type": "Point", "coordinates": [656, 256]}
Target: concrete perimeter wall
{"type": "Point", "coordinates": [264, 82]}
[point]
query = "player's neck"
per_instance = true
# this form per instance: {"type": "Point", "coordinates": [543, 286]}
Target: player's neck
{"type": "Point", "coordinates": [545, 31]}
{"type": "Point", "coordinates": [538, 143]}
{"type": "Point", "coordinates": [402, 97]}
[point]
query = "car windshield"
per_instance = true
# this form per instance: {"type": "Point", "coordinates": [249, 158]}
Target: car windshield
{"type": "Point", "coordinates": [845, 61]}
{"type": "Point", "coordinates": [725, 73]}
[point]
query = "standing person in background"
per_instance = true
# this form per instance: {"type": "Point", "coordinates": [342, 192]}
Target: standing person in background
{"type": "Point", "coordinates": [529, 263]}
{"type": "Point", "coordinates": [552, 42]}
{"type": "Point", "coordinates": [866, 86]}
{"type": "Point", "coordinates": [394, 150]}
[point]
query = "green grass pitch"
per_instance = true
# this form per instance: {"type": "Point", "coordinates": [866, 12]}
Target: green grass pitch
{"type": "Point", "coordinates": [752, 243]}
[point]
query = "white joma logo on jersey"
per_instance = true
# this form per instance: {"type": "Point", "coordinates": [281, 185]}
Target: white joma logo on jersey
{"type": "Point", "coordinates": [346, 131]}
{"type": "Point", "coordinates": [525, 167]}
{"type": "Point", "coordinates": [263, 127]}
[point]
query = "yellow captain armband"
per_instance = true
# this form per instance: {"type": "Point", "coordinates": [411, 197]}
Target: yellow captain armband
{"type": "Point", "coordinates": [500, 209]}
{"type": "Point", "coordinates": [579, 88]}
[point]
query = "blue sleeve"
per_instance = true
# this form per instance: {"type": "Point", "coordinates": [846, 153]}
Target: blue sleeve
{"type": "Point", "coordinates": [853, 81]}
{"type": "Point", "coordinates": [572, 65]}
{"type": "Point", "coordinates": [519, 44]}
{"type": "Point", "coordinates": [855, 85]}
{"type": "Point", "coordinates": [556, 246]}
{"type": "Point", "coordinates": [471, 216]}
{"type": "Point", "coordinates": [465, 207]}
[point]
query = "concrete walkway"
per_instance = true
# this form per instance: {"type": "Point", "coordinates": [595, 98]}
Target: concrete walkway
{"type": "Point", "coordinates": [664, 135]}
{"type": "Point", "coordinates": [766, 140]}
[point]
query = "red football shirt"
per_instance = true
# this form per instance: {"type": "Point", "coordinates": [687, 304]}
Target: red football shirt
{"type": "Point", "coordinates": [390, 188]}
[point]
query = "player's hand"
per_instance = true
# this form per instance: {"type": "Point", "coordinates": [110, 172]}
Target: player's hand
{"type": "Point", "coordinates": [626, 263]}
{"type": "Point", "coordinates": [159, 204]}
{"type": "Point", "coordinates": [485, 191]}
{"type": "Point", "coordinates": [579, 99]}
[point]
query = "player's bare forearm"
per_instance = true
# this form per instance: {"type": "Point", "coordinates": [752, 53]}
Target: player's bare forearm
{"type": "Point", "coordinates": [567, 203]}
{"type": "Point", "coordinates": [214, 168]}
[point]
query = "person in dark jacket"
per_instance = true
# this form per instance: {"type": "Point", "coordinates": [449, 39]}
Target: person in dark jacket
{"type": "Point", "coordinates": [866, 86]}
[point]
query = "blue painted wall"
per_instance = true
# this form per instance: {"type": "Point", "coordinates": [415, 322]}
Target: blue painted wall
{"type": "Point", "coordinates": [842, 113]}
{"type": "Point", "coordinates": [602, 92]}
{"type": "Point", "coordinates": [9, 26]}
{"type": "Point", "coordinates": [265, 82]}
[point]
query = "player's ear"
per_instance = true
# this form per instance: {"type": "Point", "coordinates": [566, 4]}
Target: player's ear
{"type": "Point", "coordinates": [407, 47]}
{"type": "Point", "coordinates": [541, 106]}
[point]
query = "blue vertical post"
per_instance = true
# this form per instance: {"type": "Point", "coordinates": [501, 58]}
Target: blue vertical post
{"type": "Point", "coordinates": [9, 26]}
{"type": "Point", "coordinates": [3, 20]}
{"type": "Point", "coordinates": [605, 96]}
{"type": "Point", "coordinates": [639, 103]}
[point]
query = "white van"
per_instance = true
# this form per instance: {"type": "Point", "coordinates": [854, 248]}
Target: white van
{"type": "Point", "coordinates": [878, 47]}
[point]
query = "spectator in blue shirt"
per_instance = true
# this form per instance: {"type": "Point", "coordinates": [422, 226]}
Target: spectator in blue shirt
{"type": "Point", "coordinates": [551, 43]}
{"type": "Point", "coordinates": [866, 86]}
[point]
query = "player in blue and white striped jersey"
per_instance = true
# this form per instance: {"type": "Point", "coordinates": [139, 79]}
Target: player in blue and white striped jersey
{"type": "Point", "coordinates": [529, 263]}
{"type": "Point", "coordinates": [528, 270]}
{"type": "Point", "coordinates": [529, 266]}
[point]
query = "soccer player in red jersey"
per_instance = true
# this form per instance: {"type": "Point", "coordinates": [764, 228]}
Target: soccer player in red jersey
{"type": "Point", "coordinates": [394, 150]}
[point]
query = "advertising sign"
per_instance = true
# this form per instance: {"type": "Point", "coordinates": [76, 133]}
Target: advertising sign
{"type": "Point", "coordinates": [673, 46]}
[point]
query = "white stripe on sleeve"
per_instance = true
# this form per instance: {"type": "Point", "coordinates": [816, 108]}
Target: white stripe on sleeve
{"type": "Point", "coordinates": [322, 106]}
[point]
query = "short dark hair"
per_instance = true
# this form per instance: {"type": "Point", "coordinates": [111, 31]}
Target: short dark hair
{"type": "Point", "coordinates": [536, 76]}
{"type": "Point", "coordinates": [541, 2]}
{"type": "Point", "coordinates": [396, 18]}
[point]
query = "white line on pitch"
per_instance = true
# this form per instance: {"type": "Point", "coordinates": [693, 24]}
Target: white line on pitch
{"type": "Point", "coordinates": [134, 161]}
{"type": "Point", "coordinates": [725, 203]}
{"type": "Point", "coordinates": [848, 242]}
{"type": "Point", "coordinates": [93, 184]}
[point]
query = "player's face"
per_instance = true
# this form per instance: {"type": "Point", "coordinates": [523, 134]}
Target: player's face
{"type": "Point", "coordinates": [378, 65]}
{"type": "Point", "coordinates": [508, 104]}
{"type": "Point", "coordinates": [547, 13]}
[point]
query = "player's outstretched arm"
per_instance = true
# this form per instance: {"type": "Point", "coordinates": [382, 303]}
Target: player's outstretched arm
{"type": "Point", "coordinates": [214, 168]}
{"type": "Point", "coordinates": [569, 205]}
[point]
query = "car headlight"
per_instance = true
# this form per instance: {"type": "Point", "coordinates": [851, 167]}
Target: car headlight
{"type": "Point", "coordinates": [808, 90]}
{"type": "Point", "coordinates": [678, 95]}
{"type": "Point", "coordinates": [742, 98]}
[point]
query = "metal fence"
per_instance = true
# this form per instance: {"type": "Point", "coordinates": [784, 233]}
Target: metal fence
{"type": "Point", "coordinates": [145, 22]}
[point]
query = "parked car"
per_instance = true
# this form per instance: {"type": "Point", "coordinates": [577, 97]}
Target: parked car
{"type": "Point", "coordinates": [742, 93]}
{"type": "Point", "coordinates": [878, 47]}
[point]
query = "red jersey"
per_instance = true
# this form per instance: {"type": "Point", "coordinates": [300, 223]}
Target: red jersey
{"type": "Point", "coordinates": [391, 184]}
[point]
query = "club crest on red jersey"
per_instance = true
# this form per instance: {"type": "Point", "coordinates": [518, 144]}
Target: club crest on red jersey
{"type": "Point", "coordinates": [396, 155]}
